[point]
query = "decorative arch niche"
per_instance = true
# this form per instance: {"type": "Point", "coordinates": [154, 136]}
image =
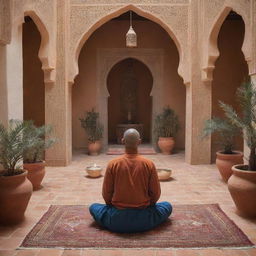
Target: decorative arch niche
{"type": "Point", "coordinates": [212, 51]}
{"type": "Point", "coordinates": [33, 75]}
{"type": "Point", "coordinates": [230, 70]}
{"type": "Point", "coordinates": [101, 52]}
{"type": "Point", "coordinates": [108, 58]}
{"type": "Point", "coordinates": [44, 52]}
{"type": "Point", "coordinates": [129, 84]}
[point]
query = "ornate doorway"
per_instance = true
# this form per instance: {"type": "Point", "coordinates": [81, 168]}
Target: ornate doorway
{"type": "Point", "coordinates": [129, 85]}
{"type": "Point", "coordinates": [108, 58]}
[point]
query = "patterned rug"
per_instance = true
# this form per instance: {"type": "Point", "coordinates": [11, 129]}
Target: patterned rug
{"type": "Point", "coordinates": [119, 150]}
{"type": "Point", "coordinates": [190, 226]}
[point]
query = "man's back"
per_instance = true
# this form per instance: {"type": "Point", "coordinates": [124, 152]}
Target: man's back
{"type": "Point", "coordinates": [131, 189]}
{"type": "Point", "coordinates": [131, 182]}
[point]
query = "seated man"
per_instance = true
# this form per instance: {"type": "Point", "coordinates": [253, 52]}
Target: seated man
{"type": "Point", "coordinates": [131, 190]}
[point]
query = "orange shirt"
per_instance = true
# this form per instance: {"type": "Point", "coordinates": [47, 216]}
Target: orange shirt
{"type": "Point", "coordinates": [131, 182]}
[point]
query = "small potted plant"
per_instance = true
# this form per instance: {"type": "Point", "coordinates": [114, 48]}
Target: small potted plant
{"type": "Point", "coordinates": [166, 127]}
{"type": "Point", "coordinates": [38, 140]}
{"type": "Point", "coordinates": [15, 188]}
{"type": "Point", "coordinates": [227, 157]}
{"type": "Point", "coordinates": [94, 131]}
{"type": "Point", "coordinates": [242, 183]}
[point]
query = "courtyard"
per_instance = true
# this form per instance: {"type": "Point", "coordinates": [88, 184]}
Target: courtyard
{"type": "Point", "coordinates": [75, 75]}
{"type": "Point", "coordinates": [199, 184]}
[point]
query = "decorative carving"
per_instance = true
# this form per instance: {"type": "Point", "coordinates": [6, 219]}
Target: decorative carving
{"type": "Point", "coordinates": [85, 19]}
{"type": "Point", "coordinates": [98, 2]}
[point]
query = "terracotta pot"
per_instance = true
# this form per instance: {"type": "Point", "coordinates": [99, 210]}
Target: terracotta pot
{"type": "Point", "coordinates": [36, 172]}
{"type": "Point", "coordinates": [166, 144]}
{"type": "Point", "coordinates": [15, 192]}
{"type": "Point", "coordinates": [242, 187]}
{"type": "Point", "coordinates": [225, 162]}
{"type": "Point", "coordinates": [94, 148]}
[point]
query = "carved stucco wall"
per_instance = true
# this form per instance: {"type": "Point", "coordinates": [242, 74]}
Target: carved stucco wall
{"type": "Point", "coordinates": [87, 16]}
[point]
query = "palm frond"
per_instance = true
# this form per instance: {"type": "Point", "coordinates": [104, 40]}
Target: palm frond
{"type": "Point", "coordinates": [232, 115]}
{"type": "Point", "coordinates": [11, 145]}
{"type": "Point", "coordinates": [37, 140]}
{"type": "Point", "coordinates": [225, 130]}
{"type": "Point", "coordinates": [247, 121]}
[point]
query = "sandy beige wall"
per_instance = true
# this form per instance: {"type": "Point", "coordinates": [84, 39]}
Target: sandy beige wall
{"type": "Point", "coordinates": [3, 87]}
{"type": "Point", "coordinates": [231, 69]}
{"type": "Point", "coordinates": [33, 77]}
{"type": "Point", "coordinates": [112, 35]}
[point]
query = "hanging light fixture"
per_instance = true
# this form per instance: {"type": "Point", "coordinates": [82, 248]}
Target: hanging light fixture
{"type": "Point", "coordinates": [131, 37]}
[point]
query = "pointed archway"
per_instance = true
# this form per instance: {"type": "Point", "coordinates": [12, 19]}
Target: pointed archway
{"type": "Point", "coordinates": [33, 75]}
{"type": "Point", "coordinates": [230, 71]}
{"type": "Point", "coordinates": [104, 49]}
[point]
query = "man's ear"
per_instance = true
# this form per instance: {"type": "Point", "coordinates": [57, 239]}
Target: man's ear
{"type": "Point", "coordinates": [122, 141]}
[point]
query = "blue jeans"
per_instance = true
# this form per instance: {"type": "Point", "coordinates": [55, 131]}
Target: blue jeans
{"type": "Point", "coordinates": [130, 220]}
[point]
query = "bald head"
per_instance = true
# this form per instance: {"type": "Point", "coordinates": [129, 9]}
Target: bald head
{"type": "Point", "coordinates": [131, 138]}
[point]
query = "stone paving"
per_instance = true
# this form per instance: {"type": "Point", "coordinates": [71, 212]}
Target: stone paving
{"type": "Point", "coordinates": [198, 184]}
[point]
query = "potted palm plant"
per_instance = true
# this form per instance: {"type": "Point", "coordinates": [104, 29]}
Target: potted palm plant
{"type": "Point", "coordinates": [242, 183]}
{"type": "Point", "coordinates": [226, 132]}
{"type": "Point", "coordinates": [166, 127]}
{"type": "Point", "coordinates": [94, 131]}
{"type": "Point", "coordinates": [15, 188]}
{"type": "Point", "coordinates": [38, 140]}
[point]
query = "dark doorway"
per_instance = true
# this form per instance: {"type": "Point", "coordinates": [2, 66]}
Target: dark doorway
{"type": "Point", "coordinates": [230, 71]}
{"type": "Point", "coordinates": [129, 84]}
{"type": "Point", "coordinates": [33, 76]}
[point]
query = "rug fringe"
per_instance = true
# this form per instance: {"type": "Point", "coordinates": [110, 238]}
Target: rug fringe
{"type": "Point", "coordinates": [137, 248]}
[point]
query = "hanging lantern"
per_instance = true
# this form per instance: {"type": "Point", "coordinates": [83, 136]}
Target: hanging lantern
{"type": "Point", "coordinates": [131, 37]}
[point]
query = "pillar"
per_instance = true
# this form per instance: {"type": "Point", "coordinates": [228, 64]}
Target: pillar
{"type": "Point", "coordinates": [198, 96]}
{"type": "Point", "coordinates": [3, 86]}
{"type": "Point", "coordinates": [246, 148]}
{"type": "Point", "coordinates": [11, 82]}
{"type": "Point", "coordinates": [251, 64]}
{"type": "Point", "coordinates": [58, 94]}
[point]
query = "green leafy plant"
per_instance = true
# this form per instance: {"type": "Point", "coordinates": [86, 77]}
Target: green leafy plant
{"type": "Point", "coordinates": [166, 123]}
{"type": "Point", "coordinates": [247, 121]}
{"type": "Point", "coordinates": [38, 139]}
{"type": "Point", "coordinates": [225, 131]}
{"type": "Point", "coordinates": [92, 126]}
{"type": "Point", "coordinates": [12, 146]}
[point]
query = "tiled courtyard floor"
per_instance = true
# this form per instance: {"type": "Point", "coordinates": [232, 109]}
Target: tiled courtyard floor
{"type": "Point", "coordinates": [68, 185]}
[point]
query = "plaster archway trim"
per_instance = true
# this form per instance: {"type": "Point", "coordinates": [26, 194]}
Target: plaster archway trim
{"type": "Point", "coordinates": [108, 58]}
{"type": "Point", "coordinates": [212, 51]}
{"type": "Point", "coordinates": [74, 68]}
{"type": "Point", "coordinates": [44, 53]}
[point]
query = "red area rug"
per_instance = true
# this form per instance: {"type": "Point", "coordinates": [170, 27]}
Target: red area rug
{"type": "Point", "coordinates": [190, 226]}
{"type": "Point", "coordinates": [142, 150]}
